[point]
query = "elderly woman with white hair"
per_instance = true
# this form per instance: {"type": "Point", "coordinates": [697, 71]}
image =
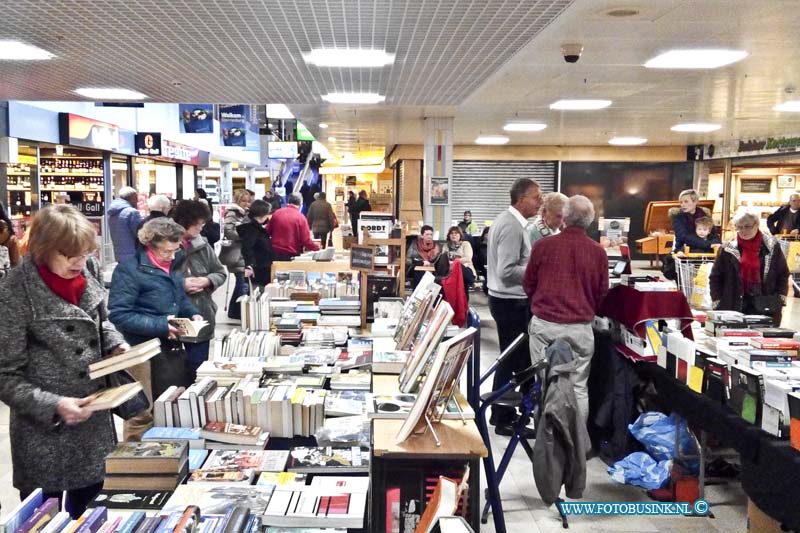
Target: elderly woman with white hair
{"type": "Point", "coordinates": [750, 274]}
{"type": "Point", "coordinates": [550, 219]}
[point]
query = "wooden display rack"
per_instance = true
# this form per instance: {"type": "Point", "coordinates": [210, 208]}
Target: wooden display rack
{"type": "Point", "coordinates": [397, 257]}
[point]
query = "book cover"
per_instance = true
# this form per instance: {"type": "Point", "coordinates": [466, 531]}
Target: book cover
{"type": "Point", "coordinates": [113, 397]}
{"type": "Point", "coordinates": [346, 402]}
{"type": "Point", "coordinates": [231, 433]}
{"type": "Point", "coordinates": [40, 518]}
{"type": "Point", "coordinates": [131, 500]}
{"type": "Point", "coordinates": [147, 450]}
{"type": "Point", "coordinates": [196, 459]}
{"type": "Point", "coordinates": [135, 355]}
{"type": "Point", "coordinates": [269, 460]}
{"type": "Point", "coordinates": [219, 499]}
{"type": "Point", "coordinates": [132, 522]}
{"type": "Point", "coordinates": [328, 459]}
{"type": "Point", "coordinates": [281, 478]}
{"type": "Point", "coordinates": [188, 328]}
{"type": "Point", "coordinates": [94, 520]}
{"type": "Point", "coordinates": [170, 434]}
{"type": "Point", "coordinates": [223, 476]}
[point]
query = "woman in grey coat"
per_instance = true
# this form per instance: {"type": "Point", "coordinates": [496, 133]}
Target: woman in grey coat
{"type": "Point", "coordinates": [231, 254]}
{"type": "Point", "coordinates": [53, 310]}
{"type": "Point", "coordinates": [202, 275]}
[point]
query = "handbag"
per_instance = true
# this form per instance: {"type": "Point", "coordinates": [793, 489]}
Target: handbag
{"type": "Point", "coordinates": [169, 367]}
{"type": "Point", "coordinates": [230, 254]}
{"type": "Point", "coordinates": [139, 402]}
{"type": "Point", "coordinates": [766, 304]}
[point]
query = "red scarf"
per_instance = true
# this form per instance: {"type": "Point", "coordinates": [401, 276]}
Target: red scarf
{"type": "Point", "coordinates": [751, 263]}
{"type": "Point", "coordinates": [68, 289]}
{"type": "Point", "coordinates": [158, 264]}
{"type": "Point", "coordinates": [426, 251]}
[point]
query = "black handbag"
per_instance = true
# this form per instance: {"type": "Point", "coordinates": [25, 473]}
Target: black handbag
{"type": "Point", "coordinates": [766, 304]}
{"type": "Point", "coordinates": [139, 402]}
{"type": "Point", "coordinates": [169, 367]}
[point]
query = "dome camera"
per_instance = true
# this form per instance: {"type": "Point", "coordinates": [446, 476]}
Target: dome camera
{"type": "Point", "coordinates": [571, 52]}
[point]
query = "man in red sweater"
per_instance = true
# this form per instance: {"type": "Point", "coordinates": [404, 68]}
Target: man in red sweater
{"type": "Point", "coordinates": [289, 231]}
{"type": "Point", "coordinates": [566, 281]}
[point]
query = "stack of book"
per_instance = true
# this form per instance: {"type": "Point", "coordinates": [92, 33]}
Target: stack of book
{"type": "Point", "coordinates": [222, 436]}
{"type": "Point", "coordinates": [255, 310]}
{"type": "Point", "coordinates": [289, 330]}
{"type": "Point", "coordinates": [331, 308]}
{"type": "Point", "coordinates": [359, 379]}
{"type": "Point", "coordinates": [146, 465]}
{"type": "Point", "coordinates": [256, 344]}
{"type": "Point", "coordinates": [326, 502]}
{"type": "Point", "coordinates": [325, 335]}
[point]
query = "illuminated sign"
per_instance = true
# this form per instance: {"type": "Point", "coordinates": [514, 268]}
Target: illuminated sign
{"type": "Point", "coordinates": [180, 152]}
{"type": "Point", "coordinates": [76, 130]}
{"type": "Point", "coordinates": [148, 143]}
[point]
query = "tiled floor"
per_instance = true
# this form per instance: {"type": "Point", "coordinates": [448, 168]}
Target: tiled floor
{"type": "Point", "coordinates": [524, 511]}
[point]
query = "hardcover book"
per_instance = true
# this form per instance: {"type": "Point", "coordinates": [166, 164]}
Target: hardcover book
{"type": "Point", "coordinates": [135, 355]}
{"type": "Point", "coordinates": [222, 476]}
{"type": "Point", "coordinates": [231, 433]}
{"type": "Point", "coordinates": [131, 500]}
{"type": "Point", "coordinates": [146, 458]}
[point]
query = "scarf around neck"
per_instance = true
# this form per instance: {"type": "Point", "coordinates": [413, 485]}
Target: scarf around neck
{"type": "Point", "coordinates": [751, 263]}
{"type": "Point", "coordinates": [426, 251]}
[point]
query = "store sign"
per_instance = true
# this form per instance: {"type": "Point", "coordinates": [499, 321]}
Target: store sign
{"type": "Point", "coordinates": [76, 130]}
{"type": "Point", "coordinates": [148, 144]}
{"type": "Point", "coordinates": [744, 148]}
{"type": "Point", "coordinates": [180, 152]}
{"type": "Point", "coordinates": [362, 257]}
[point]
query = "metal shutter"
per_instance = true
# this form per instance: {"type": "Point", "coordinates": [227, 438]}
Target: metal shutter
{"type": "Point", "coordinates": [482, 186]}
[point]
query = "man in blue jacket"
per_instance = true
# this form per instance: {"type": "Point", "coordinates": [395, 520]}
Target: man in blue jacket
{"type": "Point", "coordinates": [123, 223]}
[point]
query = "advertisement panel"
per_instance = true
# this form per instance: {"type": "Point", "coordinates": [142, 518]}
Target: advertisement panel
{"type": "Point", "coordinates": [76, 130]}
{"type": "Point", "coordinates": [233, 124]}
{"type": "Point", "coordinates": [196, 118]}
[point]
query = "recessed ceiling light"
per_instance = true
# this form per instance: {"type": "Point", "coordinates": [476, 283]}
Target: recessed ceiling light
{"type": "Point", "coordinates": [323, 125]}
{"type": "Point", "coordinates": [623, 12]}
{"type": "Point", "coordinates": [491, 139]}
{"type": "Point", "coordinates": [696, 58]}
{"type": "Point", "coordinates": [104, 93]}
{"type": "Point", "coordinates": [695, 127]}
{"type": "Point", "coordinates": [580, 105]}
{"type": "Point", "coordinates": [524, 126]}
{"type": "Point", "coordinates": [11, 50]}
{"type": "Point", "coordinates": [331, 139]}
{"type": "Point", "coordinates": [348, 57]}
{"type": "Point", "coordinates": [792, 106]}
{"type": "Point", "coordinates": [353, 98]}
{"type": "Point", "coordinates": [627, 141]}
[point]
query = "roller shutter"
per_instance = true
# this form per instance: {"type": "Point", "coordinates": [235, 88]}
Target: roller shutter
{"type": "Point", "coordinates": [482, 186]}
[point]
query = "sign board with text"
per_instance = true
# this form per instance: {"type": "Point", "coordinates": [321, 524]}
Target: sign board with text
{"type": "Point", "coordinates": [148, 143]}
{"type": "Point", "coordinates": [362, 257]}
{"type": "Point", "coordinates": [76, 130]}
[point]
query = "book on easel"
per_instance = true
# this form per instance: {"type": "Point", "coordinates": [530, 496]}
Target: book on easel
{"type": "Point", "coordinates": [443, 502]}
{"type": "Point", "coordinates": [133, 356]}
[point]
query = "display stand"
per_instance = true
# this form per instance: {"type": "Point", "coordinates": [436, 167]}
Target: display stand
{"type": "Point", "coordinates": [406, 466]}
{"type": "Point", "coordinates": [397, 259]}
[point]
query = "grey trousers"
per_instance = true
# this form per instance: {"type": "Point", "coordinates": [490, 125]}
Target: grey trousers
{"type": "Point", "coordinates": [580, 338]}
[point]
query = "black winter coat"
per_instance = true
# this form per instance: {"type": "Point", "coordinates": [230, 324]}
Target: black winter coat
{"type": "Point", "coordinates": [256, 249]}
{"type": "Point", "coordinates": [726, 275]}
{"type": "Point", "coordinates": [683, 227]}
{"type": "Point", "coordinates": [775, 219]}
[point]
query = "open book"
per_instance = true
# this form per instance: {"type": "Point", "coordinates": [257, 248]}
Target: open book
{"type": "Point", "coordinates": [110, 398]}
{"type": "Point", "coordinates": [188, 328]}
{"type": "Point", "coordinates": [134, 356]}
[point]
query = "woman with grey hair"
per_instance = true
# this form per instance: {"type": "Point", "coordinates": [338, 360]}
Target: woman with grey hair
{"type": "Point", "coordinates": [550, 218]}
{"type": "Point", "coordinates": [146, 290]}
{"type": "Point", "coordinates": [750, 274]}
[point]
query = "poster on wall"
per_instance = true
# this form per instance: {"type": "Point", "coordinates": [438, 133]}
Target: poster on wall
{"type": "Point", "coordinates": [196, 118]}
{"type": "Point", "coordinates": [786, 181]}
{"type": "Point", "coordinates": [440, 191]}
{"type": "Point", "coordinates": [233, 122]}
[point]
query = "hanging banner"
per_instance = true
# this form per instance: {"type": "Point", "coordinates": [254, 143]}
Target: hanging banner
{"type": "Point", "coordinates": [233, 124]}
{"type": "Point", "coordinates": [196, 118]}
{"type": "Point", "coordinates": [744, 147]}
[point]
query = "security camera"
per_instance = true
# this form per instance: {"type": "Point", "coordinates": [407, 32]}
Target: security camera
{"type": "Point", "coordinates": [571, 52]}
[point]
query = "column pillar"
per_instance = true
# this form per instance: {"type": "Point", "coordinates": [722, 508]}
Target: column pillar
{"type": "Point", "coordinates": [225, 182]}
{"type": "Point", "coordinates": [438, 173]}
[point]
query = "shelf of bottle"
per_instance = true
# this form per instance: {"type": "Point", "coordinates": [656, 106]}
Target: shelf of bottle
{"type": "Point", "coordinates": [68, 174]}
{"type": "Point", "coordinates": [66, 189]}
{"type": "Point", "coordinates": [17, 188]}
{"type": "Point", "coordinates": [19, 174]}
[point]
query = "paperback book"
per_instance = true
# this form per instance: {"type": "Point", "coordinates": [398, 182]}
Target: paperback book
{"type": "Point", "coordinates": [328, 459]}
{"type": "Point", "coordinates": [260, 461]}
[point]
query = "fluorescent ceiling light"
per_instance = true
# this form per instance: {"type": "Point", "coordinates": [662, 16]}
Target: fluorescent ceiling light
{"type": "Point", "coordinates": [331, 139]}
{"type": "Point", "coordinates": [627, 141]}
{"type": "Point", "coordinates": [696, 58]}
{"type": "Point", "coordinates": [277, 111]}
{"type": "Point", "coordinates": [791, 106]}
{"type": "Point", "coordinates": [323, 125]}
{"type": "Point", "coordinates": [580, 105]}
{"type": "Point", "coordinates": [695, 127]}
{"type": "Point", "coordinates": [491, 139]}
{"type": "Point", "coordinates": [524, 126]}
{"type": "Point", "coordinates": [17, 51]}
{"type": "Point", "coordinates": [353, 98]}
{"type": "Point", "coordinates": [103, 93]}
{"type": "Point", "coordinates": [348, 57]}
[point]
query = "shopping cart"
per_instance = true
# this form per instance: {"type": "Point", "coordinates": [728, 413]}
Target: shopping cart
{"type": "Point", "coordinates": [790, 245]}
{"type": "Point", "coordinates": [693, 272]}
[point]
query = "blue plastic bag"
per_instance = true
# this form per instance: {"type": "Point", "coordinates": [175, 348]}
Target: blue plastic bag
{"type": "Point", "coordinates": [641, 470]}
{"type": "Point", "coordinates": [656, 432]}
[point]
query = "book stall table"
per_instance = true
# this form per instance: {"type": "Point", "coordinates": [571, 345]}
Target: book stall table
{"type": "Point", "coordinates": [401, 474]}
{"type": "Point", "coordinates": [632, 308]}
{"type": "Point", "coordinates": [341, 265]}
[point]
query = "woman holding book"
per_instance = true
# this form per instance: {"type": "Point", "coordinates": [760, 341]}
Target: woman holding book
{"type": "Point", "coordinates": [51, 320]}
{"type": "Point", "coordinates": [146, 290]}
{"type": "Point", "coordinates": [203, 274]}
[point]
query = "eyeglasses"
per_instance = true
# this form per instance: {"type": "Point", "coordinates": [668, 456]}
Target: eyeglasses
{"type": "Point", "coordinates": [740, 227]}
{"type": "Point", "coordinates": [77, 258]}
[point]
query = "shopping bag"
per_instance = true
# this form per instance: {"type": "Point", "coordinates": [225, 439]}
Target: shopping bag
{"type": "Point", "coordinates": [701, 291]}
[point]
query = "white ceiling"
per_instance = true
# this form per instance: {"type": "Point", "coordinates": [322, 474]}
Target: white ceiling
{"type": "Point", "coordinates": [482, 61]}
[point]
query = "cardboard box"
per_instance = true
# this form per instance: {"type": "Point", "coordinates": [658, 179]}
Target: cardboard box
{"type": "Point", "coordinates": [759, 522]}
